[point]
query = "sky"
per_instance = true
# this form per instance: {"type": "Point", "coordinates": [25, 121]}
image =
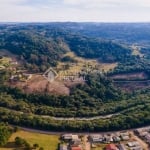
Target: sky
{"type": "Point", "coordinates": [75, 10]}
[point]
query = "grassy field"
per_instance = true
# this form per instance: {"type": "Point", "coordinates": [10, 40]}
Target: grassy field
{"type": "Point", "coordinates": [48, 142]}
{"type": "Point", "coordinates": [83, 64]}
{"type": "Point", "coordinates": [136, 51]}
{"type": "Point", "coordinates": [4, 61]}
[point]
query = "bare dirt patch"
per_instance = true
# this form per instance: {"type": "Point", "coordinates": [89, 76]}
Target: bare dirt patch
{"type": "Point", "coordinates": [130, 76]}
{"type": "Point", "coordinates": [132, 86]}
{"type": "Point", "coordinates": [142, 143]}
{"type": "Point", "coordinates": [130, 82]}
{"type": "Point", "coordinates": [38, 84]}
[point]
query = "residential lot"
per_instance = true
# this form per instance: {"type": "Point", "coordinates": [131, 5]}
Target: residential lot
{"type": "Point", "coordinates": [125, 140]}
{"type": "Point", "coordinates": [144, 135]}
{"type": "Point", "coordinates": [115, 141]}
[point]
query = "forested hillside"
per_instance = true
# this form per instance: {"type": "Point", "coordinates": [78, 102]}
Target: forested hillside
{"type": "Point", "coordinates": [33, 48]}
{"type": "Point", "coordinates": [28, 50]}
{"type": "Point", "coordinates": [46, 47]}
{"type": "Point", "coordinates": [123, 32]}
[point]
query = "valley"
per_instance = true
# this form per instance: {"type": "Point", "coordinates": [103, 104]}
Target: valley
{"type": "Point", "coordinates": [72, 81]}
{"type": "Point", "coordinates": [74, 75]}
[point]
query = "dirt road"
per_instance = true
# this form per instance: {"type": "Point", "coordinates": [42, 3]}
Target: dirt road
{"type": "Point", "coordinates": [142, 143]}
{"type": "Point", "coordinates": [87, 145]}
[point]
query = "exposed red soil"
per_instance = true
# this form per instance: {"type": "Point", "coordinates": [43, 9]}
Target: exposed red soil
{"type": "Point", "coordinates": [39, 84]}
{"type": "Point", "coordinates": [132, 86]}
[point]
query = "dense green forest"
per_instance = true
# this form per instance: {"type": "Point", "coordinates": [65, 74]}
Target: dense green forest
{"type": "Point", "coordinates": [105, 51]}
{"type": "Point", "coordinates": [134, 117]}
{"type": "Point", "coordinates": [146, 51]}
{"type": "Point", "coordinates": [41, 48]}
{"type": "Point", "coordinates": [26, 109]}
{"type": "Point", "coordinates": [89, 96]}
{"type": "Point", "coordinates": [122, 32]}
{"type": "Point", "coordinates": [35, 50]}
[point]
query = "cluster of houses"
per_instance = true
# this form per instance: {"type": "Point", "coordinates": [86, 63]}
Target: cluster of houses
{"type": "Point", "coordinates": [16, 75]}
{"type": "Point", "coordinates": [134, 145]}
{"type": "Point", "coordinates": [144, 134]}
{"type": "Point", "coordinates": [109, 138]}
{"type": "Point", "coordinates": [114, 147]}
{"type": "Point", "coordinates": [115, 141]}
{"type": "Point", "coordinates": [72, 142]}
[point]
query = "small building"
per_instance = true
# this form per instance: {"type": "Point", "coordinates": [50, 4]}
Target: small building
{"type": "Point", "coordinates": [136, 148]}
{"type": "Point", "coordinates": [96, 138]}
{"type": "Point", "coordinates": [75, 137]}
{"type": "Point", "coordinates": [116, 139]}
{"type": "Point", "coordinates": [138, 131]}
{"type": "Point", "coordinates": [75, 143]}
{"type": "Point", "coordinates": [108, 139]}
{"type": "Point", "coordinates": [63, 147]}
{"type": "Point", "coordinates": [147, 138]}
{"type": "Point", "coordinates": [111, 147]}
{"type": "Point", "coordinates": [67, 137]}
{"type": "Point", "coordinates": [14, 78]}
{"type": "Point", "coordinates": [121, 147]}
{"type": "Point", "coordinates": [124, 134]}
{"type": "Point", "coordinates": [133, 144]}
{"type": "Point", "coordinates": [72, 137]}
{"type": "Point", "coordinates": [125, 137]}
{"type": "Point", "coordinates": [76, 148]}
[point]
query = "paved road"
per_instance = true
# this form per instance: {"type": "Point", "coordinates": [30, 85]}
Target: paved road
{"type": "Point", "coordinates": [69, 118]}
{"type": "Point", "coordinates": [79, 133]}
{"type": "Point", "coordinates": [84, 118]}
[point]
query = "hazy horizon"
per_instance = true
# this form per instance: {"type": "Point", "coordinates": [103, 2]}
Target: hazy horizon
{"type": "Point", "coordinates": [84, 22]}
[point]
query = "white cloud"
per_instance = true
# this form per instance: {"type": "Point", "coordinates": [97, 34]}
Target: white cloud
{"type": "Point", "coordinates": [100, 3]}
{"type": "Point", "coordinates": [75, 10]}
{"type": "Point", "coordinates": [11, 10]}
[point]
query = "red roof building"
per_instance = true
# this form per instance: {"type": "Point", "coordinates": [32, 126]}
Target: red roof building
{"type": "Point", "coordinates": [76, 148]}
{"type": "Point", "coordinates": [111, 147]}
